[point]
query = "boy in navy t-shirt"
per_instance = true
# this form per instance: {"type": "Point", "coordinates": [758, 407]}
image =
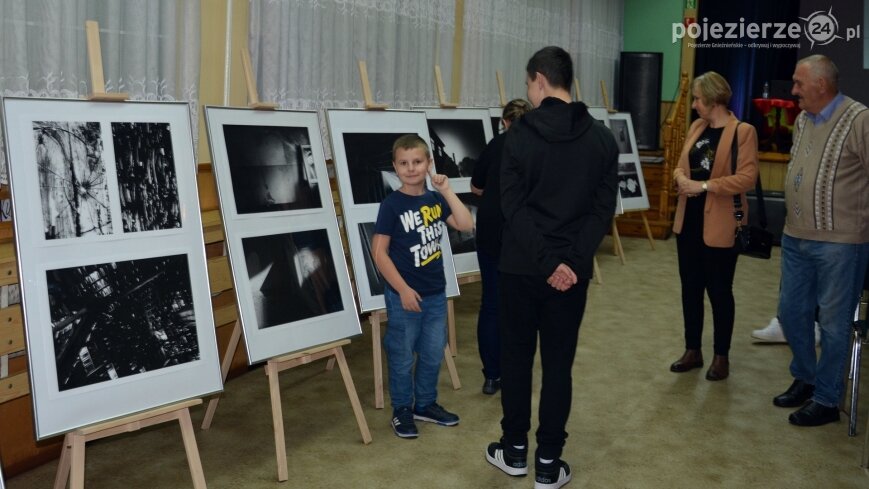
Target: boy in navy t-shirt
{"type": "Point", "coordinates": [407, 252]}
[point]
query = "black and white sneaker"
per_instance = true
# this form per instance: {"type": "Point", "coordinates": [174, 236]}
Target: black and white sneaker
{"type": "Point", "coordinates": [435, 413]}
{"type": "Point", "coordinates": [508, 459]}
{"type": "Point", "coordinates": [402, 423]}
{"type": "Point", "coordinates": [552, 475]}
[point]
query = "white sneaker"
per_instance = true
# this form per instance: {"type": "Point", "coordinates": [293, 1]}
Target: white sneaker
{"type": "Point", "coordinates": [772, 333]}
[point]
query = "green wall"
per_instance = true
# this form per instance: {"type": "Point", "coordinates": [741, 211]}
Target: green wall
{"type": "Point", "coordinates": [648, 28]}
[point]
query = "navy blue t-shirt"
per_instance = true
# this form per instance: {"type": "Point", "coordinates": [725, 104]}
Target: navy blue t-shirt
{"type": "Point", "coordinates": [415, 225]}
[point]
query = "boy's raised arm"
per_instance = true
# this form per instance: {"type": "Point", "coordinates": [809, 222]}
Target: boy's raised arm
{"type": "Point", "coordinates": [460, 217]}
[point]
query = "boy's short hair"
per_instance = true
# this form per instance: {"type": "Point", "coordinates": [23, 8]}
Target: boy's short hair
{"type": "Point", "coordinates": [554, 63]}
{"type": "Point", "coordinates": [410, 141]}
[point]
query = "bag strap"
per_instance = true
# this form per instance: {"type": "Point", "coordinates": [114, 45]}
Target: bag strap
{"type": "Point", "coordinates": [758, 188]}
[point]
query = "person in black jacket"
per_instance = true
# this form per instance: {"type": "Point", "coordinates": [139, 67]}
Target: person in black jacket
{"type": "Point", "coordinates": [558, 194]}
{"type": "Point", "coordinates": [490, 220]}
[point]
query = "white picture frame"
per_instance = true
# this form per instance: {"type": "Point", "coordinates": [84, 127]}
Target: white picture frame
{"type": "Point", "coordinates": [111, 259]}
{"type": "Point", "coordinates": [632, 185]}
{"type": "Point", "coordinates": [363, 182]}
{"type": "Point", "coordinates": [459, 134]}
{"type": "Point", "coordinates": [601, 114]}
{"type": "Point", "coordinates": [291, 280]}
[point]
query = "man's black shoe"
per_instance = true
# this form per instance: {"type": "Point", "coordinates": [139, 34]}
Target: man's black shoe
{"type": "Point", "coordinates": [814, 414]}
{"type": "Point", "coordinates": [797, 394]}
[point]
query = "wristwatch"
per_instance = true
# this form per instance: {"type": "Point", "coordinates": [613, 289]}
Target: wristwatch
{"type": "Point", "coordinates": [704, 187]}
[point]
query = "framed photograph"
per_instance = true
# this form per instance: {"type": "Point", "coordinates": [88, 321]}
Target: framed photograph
{"type": "Point", "coordinates": [458, 137]}
{"type": "Point", "coordinates": [114, 284]}
{"type": "Point", "coordinates": [632, 186]}
{"type": "Point", "coordinates": [362, 151]}
{"type": "Point", "coordinates": [291, 281]}
{"type": "Point", "coordinates": [495, 114]}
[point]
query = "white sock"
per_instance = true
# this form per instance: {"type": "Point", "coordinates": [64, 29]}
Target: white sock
{"type": "Point", "coordinates": [546, 460]}
{"type": "Point", "coordinates": [519, 447]}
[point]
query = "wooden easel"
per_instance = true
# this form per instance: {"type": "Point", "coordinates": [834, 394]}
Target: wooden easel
{"type": "Point", "coordinates": [578, 93]}
{"type": "Point", "coordinates": [616, 241]}
{"type": "Point", "coordinates": [605, 98]}
{"type": "Point", "coordinates": [502, 94]}
{"type": "Point", "coordinates": [375, 318]}
{"type": "Point", "coordinates": [370, 104]}
{"type": "Point", "coordinates": [252, 92]}
{"type": "Point", "coordinates": [71, 466]}
{"type": "Point", "coordinates": [95, 61]}
{"type": "Point", "coordinates": [279, 364]}
{"type": "Point", "coordinates": [439, 87]}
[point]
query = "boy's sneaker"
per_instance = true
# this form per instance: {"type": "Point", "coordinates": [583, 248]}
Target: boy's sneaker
{"type": "Point", "coordinates": [552, 475]}
{"type": "Point", "coordinates": [402, 423]}
{"type": "Point", "coordinates": [434, 413]}
{"type": "Point", "coordinates": [511, 460]}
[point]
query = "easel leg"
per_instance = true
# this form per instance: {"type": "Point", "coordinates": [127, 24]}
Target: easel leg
{"type": "Point", "coordinates": [648, 230]}
{"type": "Point", "coordinates": [278, 421]}
{"type": "Point", "coordinates": [374, 319]}
{"type": "Point", "coordinates": [62, 475]}
{"type": "Point", "coordinates": [76, 462]}
{"type": "Point", "coordinates": [224, 370]}
{"type": "Point", "coordinates": [451, 367]}
{"type": "Point", "coordinates": [351, 392]}
{"type": "Point", "coordinates": [330, 364]}
{"type": "Point", "coordinates": [192, 450]}
{"type": "Point", "coordinates": [617, 244]}
{"type": "Point", "coordinates": [597, 278]}
{"type": "Point", "coordinates": [451, 327]}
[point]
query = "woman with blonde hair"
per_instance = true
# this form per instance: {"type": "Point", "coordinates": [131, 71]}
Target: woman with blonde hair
{"type": "Point", "coordinates": [486, 181]}
{"type": "Point", "coordinates": [705, 220]}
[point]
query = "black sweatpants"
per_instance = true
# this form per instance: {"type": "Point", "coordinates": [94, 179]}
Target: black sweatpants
{"type": "Point", "coordinates": [530, 306]}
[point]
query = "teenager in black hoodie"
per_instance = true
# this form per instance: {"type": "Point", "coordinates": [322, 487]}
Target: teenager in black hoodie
{"type": "Point", "coordinates": [558, 194]}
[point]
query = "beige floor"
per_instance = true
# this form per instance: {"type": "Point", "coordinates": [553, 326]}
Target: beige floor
{"type": "Point", "coordinates": [633, 425]}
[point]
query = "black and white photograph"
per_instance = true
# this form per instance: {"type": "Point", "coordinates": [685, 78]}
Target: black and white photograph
{"type": "Point", "coordinates": [456, 144]}
{"type": "Point", "coordinates": [464, 241]}
{"type": "Point", "coordinates": [118, 319]}
{"type": "Point", "coordinates": [619, 128]}
{"type": "Point", "coordinates": [629, 181]}
{"type": "Point", "coordinates": [495, 116]}
{"type": "Point", "coordinates": [369, 160]}
{"type": "Point", "coordinates": [292, 277]}
{"type": "Point", "coordinates": [147, 181]}
{"type": "Point", "coordinates": [376, 283]}
{"type": "Point", "coordinates": [73, 188]}
{"type": "Point", "coordinates": [272, 168]}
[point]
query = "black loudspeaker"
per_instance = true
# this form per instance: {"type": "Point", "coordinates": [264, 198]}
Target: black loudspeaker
{"type": "Point", "coordinates": [640, 94]}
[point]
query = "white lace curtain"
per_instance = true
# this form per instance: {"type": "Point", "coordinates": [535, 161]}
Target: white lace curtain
{"type": "Point", "coordinates": [150, 49]}
{"type": "Point", "coordinates": [502, 35]}
{"type": "Point", "coordinates": [305, 52]}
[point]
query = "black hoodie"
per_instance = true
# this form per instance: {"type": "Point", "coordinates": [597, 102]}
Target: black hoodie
{"type": "Point", "coordinates": [558, 189]}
